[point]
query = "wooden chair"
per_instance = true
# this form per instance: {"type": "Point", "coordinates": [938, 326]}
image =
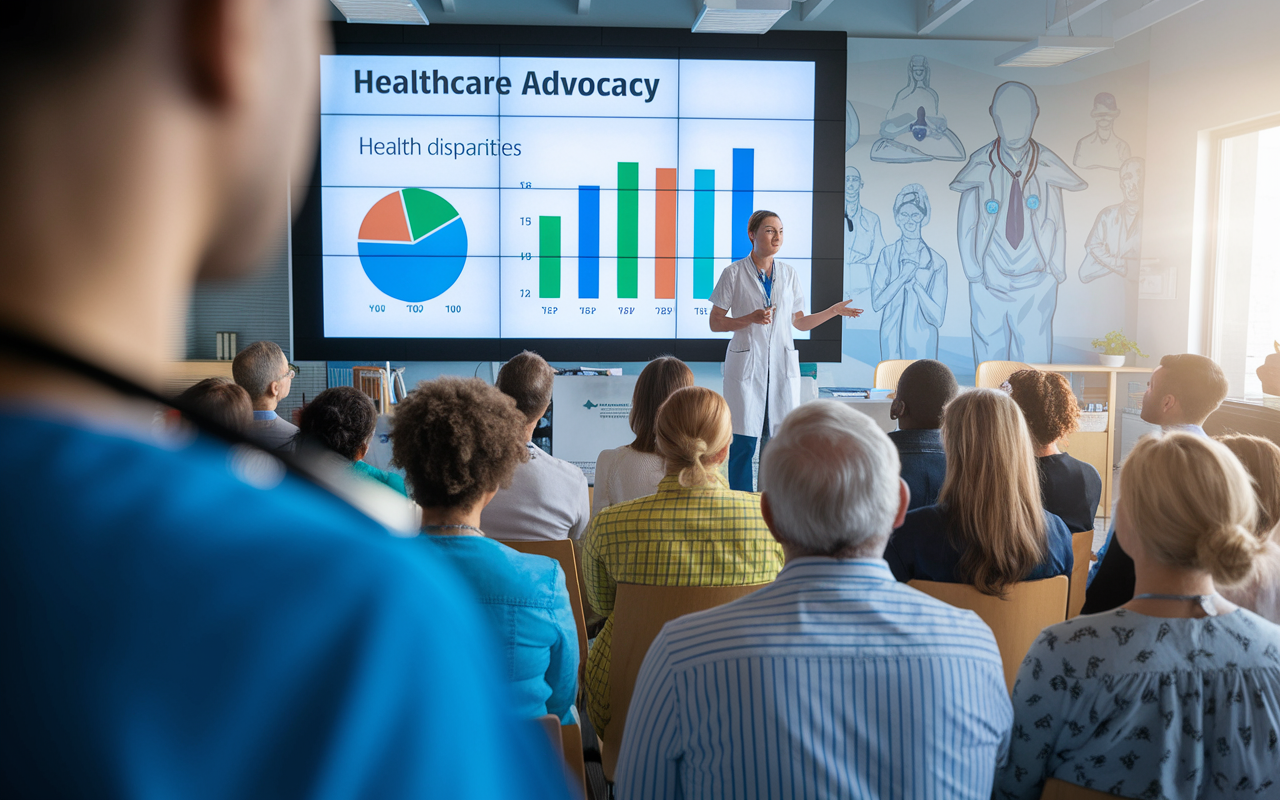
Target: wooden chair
{"type": "Point", "coordinates": [550, 725]}
{"type": "Point", "coordinates": [566, 742]}
{"type": "Point", "coordinates": [888, 372]}
{"type": "Point", "coordinates": [639, 612]}
{"type": "Point", "coordinates": [1082, 553]}
{"type": "Point", "coordinates": [1028, 608]}
{"type": "Point", "coordinates": [562, 550]}
{"type": "Point", "coordinates": [1055, 789]}
{"type": "Point", "coordinates": [993, 373]}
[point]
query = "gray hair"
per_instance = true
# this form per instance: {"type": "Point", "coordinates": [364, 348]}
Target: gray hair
{"type": "Point", "coordinates": [831, 477]}
{"type": "Point", "coordinates": [256, 366]}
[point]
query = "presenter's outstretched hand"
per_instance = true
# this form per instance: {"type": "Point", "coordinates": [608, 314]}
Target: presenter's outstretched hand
{"type": "Point", "coordinates": [761, 316]}
{"type": "Point", "coordinates": [842, 309]}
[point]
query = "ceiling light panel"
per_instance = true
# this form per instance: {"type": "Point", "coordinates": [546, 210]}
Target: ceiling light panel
{"type": "Point", "coordinates": [740, 16]}
{"type": "Point", "coordinates": [1050, 51]}
{"type": "Point", "coordinates": [383, 12]}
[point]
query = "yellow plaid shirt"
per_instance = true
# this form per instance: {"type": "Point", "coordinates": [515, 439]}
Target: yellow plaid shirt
{"type": "Point", "coordinates": [703, 536]}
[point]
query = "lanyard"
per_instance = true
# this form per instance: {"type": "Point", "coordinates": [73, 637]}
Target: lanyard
{"type": "Point", "coordinates": [1205, 600]}
{"type": "Point", "coordinates": [766, 284]}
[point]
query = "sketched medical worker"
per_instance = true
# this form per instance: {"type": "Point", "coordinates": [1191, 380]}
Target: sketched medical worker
{"type": "Point", "coordinates": [914, 129]}
{"type": "Point", "coordinates": [910, 284]}
{"type": "Point", "coordinates": [1114, 247]}
{"type": "Point", "coordinates": [1011, 233]}
{"type": "Point", "coordinates": [1102, 148]}
{"type": "Point", "coordinates": [862, 238]}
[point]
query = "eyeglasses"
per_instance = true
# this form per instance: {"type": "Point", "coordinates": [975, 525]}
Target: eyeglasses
{"type": "Point", "coordinates": [290, 373]}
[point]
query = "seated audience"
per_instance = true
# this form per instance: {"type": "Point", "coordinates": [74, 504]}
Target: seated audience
{"type": "Point", "coordinates": [342, 419]}
{"type": "Point", "coordinates": [988, 528]}
{"type": "Point", "coordinates": [1181, 394]}
{"type": "Point", "coordinates": [1175, 693]}
{"type": "Point", "coordinates": [218, 399]}
{"type": "Point", "coordinates": [634, 470]}
{"type": "Point", "coordinates": [1260, 592]}
{"type": "Point", "coordinates": [924, 388]}
{"type": "Point", "coordinates": [458, 441]}
{"type": "Point", "coordinates": [835, 680]}
{"type": "Point", "coordinates": [1069, 487]}
{"type": "Point", "coordinates": [547, 498]}
{"type": "Point", "coordinates": [695, 531]}
{"type": "Point", "coordinates": [265, 374]}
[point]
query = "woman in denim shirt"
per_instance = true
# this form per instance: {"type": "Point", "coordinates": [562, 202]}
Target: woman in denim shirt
{"type": "Point", "coordinates": [458, 441]}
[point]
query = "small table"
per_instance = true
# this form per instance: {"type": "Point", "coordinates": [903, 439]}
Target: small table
{"type": "Point", "coordinates": [877, 409]}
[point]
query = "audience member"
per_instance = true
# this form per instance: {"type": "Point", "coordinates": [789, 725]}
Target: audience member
{"type": "Point", "coordinates": [1260, 592]}
{"type": "Point", "coordinates": [1181, 394]}
{"type": "Point", "coordinates": [1173, 694]}
{"type": "Point", "coordinates": [548, 497]}
{"type": "Point", "coordinates": [458, 441]}
{"type": "Point", "coordinates": [183, 618]}
{"type": "Point", "coordinates": [924, 388]}
{"type": "Point", "coordinates": [634, 470]}
{"type": "Point", "coordinates": [218, 399]}
{"type": "Point", "coordinates": [266, 375]}
{"type": "Point", "coordinates": [1069, 487]}
{"type": "Point", "coordinates": [835, 680]}
{"type": "Point", "coordinates": [342, 419]}
{"type": "Point", "coordinates": [989, 528]}
{"type": "Point", "coordinates": [695, 531]}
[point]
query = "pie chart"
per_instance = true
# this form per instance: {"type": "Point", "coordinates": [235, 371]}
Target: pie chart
{"type": "Point", "coordinates": [413, 245]}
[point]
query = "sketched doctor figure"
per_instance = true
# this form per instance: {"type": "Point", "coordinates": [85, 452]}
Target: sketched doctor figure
{"type": "Point", "coordinates": [761, 366]}
{"type": "Point", "coordinates": [1011, 233]}
{"type": "Point", "coordinates": [915, 129]}
{"type": "Point", "coordinates": [862, 238]}
{"type": "Point", "coordinates": [910, 284]}
{"type": "Point", "coordinates": [1114, 246]}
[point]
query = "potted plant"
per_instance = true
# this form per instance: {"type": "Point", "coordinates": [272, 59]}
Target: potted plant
{"type": "Point", "coordinates": [1114, 347]}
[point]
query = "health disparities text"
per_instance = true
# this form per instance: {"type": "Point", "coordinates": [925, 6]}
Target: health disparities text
{"type": "Point", "coordinates": [419, 82]}
{"type": "Point", "coordinates": [438, 147]}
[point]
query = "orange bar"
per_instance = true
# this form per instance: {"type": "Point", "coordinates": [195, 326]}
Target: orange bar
{"type": "Point", "coordinates": [664, 246]}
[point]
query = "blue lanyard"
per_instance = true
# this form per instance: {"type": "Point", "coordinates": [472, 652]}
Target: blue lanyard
{"type": "Point", "coordinates": [766, 283]}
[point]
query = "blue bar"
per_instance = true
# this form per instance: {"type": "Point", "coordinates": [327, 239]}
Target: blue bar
{"type": "Point", "coordinates": [589, 241]}
{"type": "Point", "coordinates": [744, 185]}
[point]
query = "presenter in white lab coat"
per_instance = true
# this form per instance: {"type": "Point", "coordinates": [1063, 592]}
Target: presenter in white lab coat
{"type": "Point", "coordinates": [761, 367]}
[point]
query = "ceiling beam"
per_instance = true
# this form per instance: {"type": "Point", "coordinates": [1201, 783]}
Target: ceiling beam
{"type": "Point", "coordinates": [1153, 12]}
{"type": "Point", "coordinates": [584, 6]}
{"type": "Point", "coordinates": [811, 8]}
{"type": "Point", "coordinates": [930, 14]}
{"type": "Point", "coordinates": [1069, 11]}
{"type": "Point", "coordinates": [449, 6]}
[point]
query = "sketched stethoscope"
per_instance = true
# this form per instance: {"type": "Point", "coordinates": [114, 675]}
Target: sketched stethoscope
{"type": "Point", "coordinates": [992, 205]}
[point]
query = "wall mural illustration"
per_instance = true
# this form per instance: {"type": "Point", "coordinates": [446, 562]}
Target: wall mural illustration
{"type": "Point", "coordinates": [851, 129]}
{"type": "Point", "coordinates": [914, 129]}
{"type": "Point", "coordinates": [910, 283]}
{"type": "Point", "coordinates": [1050, 258]}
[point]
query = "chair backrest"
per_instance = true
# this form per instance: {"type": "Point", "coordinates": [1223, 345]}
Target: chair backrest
{"type": "Point", "coordinates": [1055, 789]}
{"type": "Point", "coordinates": [639, 612]}
{"type": "Point", "coordinates": [993, 373]}
{"type": "Point", "coordinates": [562, 550]}
{"type": "Point", "coordinates": [550, 725]}
{"type": "Point", "coordinates": [888, 372]}
{"type": "Point", "coordinates": [1082, 553]}
{"type": "Point", "coordinates": [1028, 608]}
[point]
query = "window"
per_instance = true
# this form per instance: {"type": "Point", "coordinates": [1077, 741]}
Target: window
{"type": "Point", "coordinates": [1246, 291]}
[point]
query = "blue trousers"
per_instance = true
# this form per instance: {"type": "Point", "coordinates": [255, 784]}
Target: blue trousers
{"type": "Point", "coordinates": [741, 452]}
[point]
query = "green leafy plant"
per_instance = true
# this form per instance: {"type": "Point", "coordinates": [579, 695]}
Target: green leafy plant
{"type": "Point", "coordinates": [1117, 344]}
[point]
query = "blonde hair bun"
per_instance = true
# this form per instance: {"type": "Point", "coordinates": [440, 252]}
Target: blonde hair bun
{"type": "Point", "coordinates": [1229, 554]}
{"type": "Point", "coordinates": [693, 424]}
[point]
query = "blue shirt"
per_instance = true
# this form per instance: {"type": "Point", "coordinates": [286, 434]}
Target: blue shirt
{"type": "Point", "coordinates": [179, 624]}
{"type": "Point", "coordinates": [922, 549]}
{"type": "Point", "coordinates": [924, 464]}
{"type": "Point", "coordinates": [832, 681]}
{"type": "Point", "coordinates": [264, 415]}
{"type": "Point", "coordinates": [527, 602]}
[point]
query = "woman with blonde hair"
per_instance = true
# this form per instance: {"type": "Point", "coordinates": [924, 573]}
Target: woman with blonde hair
{"type": "Point", "coordinates": [635, 470]}
{"type": "Point", "coordinates": [1260, 592]}
{"type": "Point", "coordinates": [1177, 692]}
{"type": "Point", "coordinates": [988, 528]}
{"type": "Point", "coordinates": [695, 531]}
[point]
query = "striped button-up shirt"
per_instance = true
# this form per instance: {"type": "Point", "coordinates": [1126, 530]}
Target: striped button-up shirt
{"type": "Point", "coordinates": [681, 536]}
{"type": "Point", "coordinates": [833, 681]}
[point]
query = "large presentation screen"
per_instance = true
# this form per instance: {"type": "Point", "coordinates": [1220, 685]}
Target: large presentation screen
{"type": "Point", "coordinates": [519, 199]}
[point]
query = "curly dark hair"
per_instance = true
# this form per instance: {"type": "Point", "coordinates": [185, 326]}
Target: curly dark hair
{"type": "Point", "coordinates": [1047, 403]}
{"type": "Point", "coordinates": [342, 419]}
{"type": "Point", "coordinates": [456, 439]}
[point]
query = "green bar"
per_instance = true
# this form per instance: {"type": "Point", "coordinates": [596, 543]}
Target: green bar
{"type": "Point", "coordinates": [548, 256]}
{"type": "Point", "coordinates": [628, 229]}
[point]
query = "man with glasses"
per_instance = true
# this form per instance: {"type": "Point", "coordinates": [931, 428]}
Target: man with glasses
{"type": "Point", "coordinates": [267, 376]}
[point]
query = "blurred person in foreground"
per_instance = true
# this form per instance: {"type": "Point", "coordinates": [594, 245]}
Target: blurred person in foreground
{"type": "Point", "coordinates": [1176, 694]}
{"type": "Point", "coordinates": [1260, 592]}
{"type": "Point", "coordinates": [835, 680]}
{"type": "Point", "coordinates": [459, 441]}
{"type": "Point", "coordinates": [342, 419]}
{"type": "Point", "coordinates": [635, 470]}
{"type": "Point", "coordinates": [925, 388]}
{"type": "Point", "coordinates": [194, 621]}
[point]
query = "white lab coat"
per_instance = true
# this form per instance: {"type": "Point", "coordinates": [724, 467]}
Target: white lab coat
{"type": "Point", "coordinates": [761, 360]}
